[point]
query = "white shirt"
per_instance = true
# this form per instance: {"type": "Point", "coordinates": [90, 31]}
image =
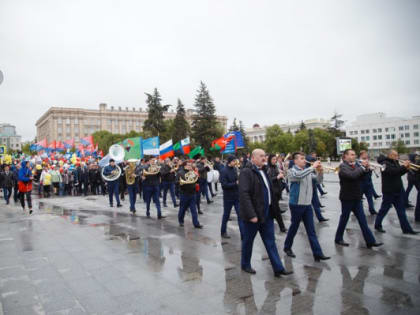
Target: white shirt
{"type": "Point", "coordinates": [266, 185]}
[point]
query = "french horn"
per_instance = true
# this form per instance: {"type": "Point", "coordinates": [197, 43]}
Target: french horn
{"type": "Point", "coordinates": [153, 169]}
{"type": "Point", "coordinates": [190, 178]}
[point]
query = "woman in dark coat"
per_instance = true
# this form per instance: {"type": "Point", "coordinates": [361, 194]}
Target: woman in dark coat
{"type": "Point", "coordinates": [276, 181]}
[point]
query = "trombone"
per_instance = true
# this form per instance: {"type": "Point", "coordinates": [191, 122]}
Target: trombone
{"type": "Point", "coordinates": [413, 167]}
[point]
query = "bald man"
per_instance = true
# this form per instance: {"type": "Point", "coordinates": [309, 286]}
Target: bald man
{"type": "Point", "coordinates": [255, 210]}
{"type": "Point", "coordinates": [393, 191]}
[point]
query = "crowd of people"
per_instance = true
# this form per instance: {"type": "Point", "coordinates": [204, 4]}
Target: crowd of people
{"type": "Point", "coordinates": [252, 185]}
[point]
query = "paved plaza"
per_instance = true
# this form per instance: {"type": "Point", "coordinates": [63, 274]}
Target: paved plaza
{"type": "Point", "coordinates": [75, 255]}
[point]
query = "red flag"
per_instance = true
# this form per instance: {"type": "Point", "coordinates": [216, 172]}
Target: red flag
{"type": "Point", "coordinates": [87, 140]}
{"type": "Point", "coordinates": [59, 146]}
{"type": "Point", "coordinates": [220, 144]}
{"type": "Point", "coordinates": [52, 145]}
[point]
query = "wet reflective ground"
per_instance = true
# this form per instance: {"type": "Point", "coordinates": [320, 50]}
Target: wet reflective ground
{"type": "Point", "coordinates": [77, 256]}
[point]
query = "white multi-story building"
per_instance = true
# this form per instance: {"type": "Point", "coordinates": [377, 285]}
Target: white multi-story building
{"type": "Point", "coordinates": [379, 131]}
{"type": "Point", "coordinates": [257, 133]}
{"type": "Point", "coordinates": [9, 138]}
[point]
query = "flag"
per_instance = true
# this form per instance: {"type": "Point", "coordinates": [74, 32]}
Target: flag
{"type": "Point", "coordinates": [151, 146]}
{"type": "Point", "coordinates": [33, 147]}
{"type": "Point", "coordinates": [42, 145]}
{"type": "Point", "coordinates": [196, 151]}
{"type": "Point", "coordinates": [239, 139]}
{"type": "Point", "coordinates": [220, 144]}
{"type": "Point", "coordinates": [185, 145]}
{"type": "Point", "coordinates": [52, 146]}
{"type": "Point", "coordinates": [132, 148]}
{"type": "Point", "coordinates": [166, 150]}
{"type": "Point", "coordinates": [59, 146]}
{"type": "Point", "coordinates": [68, 144]}
{"type": "Point", "coordinates": [81, 150]}
{"type": "Point", "coordinates": [87, 140]}
{"type": "Point", "coordinates": [177, 148]}
{"type": "Point", "coordinates": [231, 145]}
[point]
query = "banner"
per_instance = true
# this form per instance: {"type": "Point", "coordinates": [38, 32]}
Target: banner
{"type": "Point", "coordinates": [151, 146]}
{"type": "Point", "coordinates": [185, 145]}
{"type": "Point", "coordinates": [342, 145]}
{"type": "Point", "coordinates": [132, 148]}
{"type": "Point", "coordinates": [196, 151]}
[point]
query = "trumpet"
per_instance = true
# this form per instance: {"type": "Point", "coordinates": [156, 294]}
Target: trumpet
{"type": "Point", "coordinates": [328, 168]}
{"type": "Point", "coordinates": [413, 167]}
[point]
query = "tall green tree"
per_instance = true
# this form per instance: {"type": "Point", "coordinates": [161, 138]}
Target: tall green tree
{"type": "Point", "coordinates": [154, 124]}
{"type": "Point", "coordinates": [205, 127]}
{"type": "Point", "coordinates": [243, 132]}
{"type": "Point", "coordinates": [181, 127]}
{"type": "Point", "coordinates": [302, 126]}
{"type": "Point", "coordinates": [234, 126]}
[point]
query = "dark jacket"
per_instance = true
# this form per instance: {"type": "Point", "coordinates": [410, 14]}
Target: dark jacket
{"type": "Point", "coordinates": [7, 180]}
{"type": "Point", "coordinates": [83, 174]}
{"type": "Point", "coordinates": [187, 189]}
{"type": "Point", "coordinates": [202, 170]}
{"type": "Point", "coordinates": [151, 180]}
{"type": "Point", "coordinates": [391, 176]}
{"type": "Point", "coordinates": [167, 175]}
{"type": "Point", "coordinates": [218, 166]}
{"type": "Point", "coordinates": [351, 181]}
{"type": "Point", "coordinates": [229, 181]}
{"type": "Point", "coordinates": [251, 195]}
{"type": "Point", "coordinates": [278, 184]}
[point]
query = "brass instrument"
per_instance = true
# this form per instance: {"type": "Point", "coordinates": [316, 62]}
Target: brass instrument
{"type": "Point", "coordinates": [413, 167]}
{"type": "Point", "coordinates": [115, 174]}
{"type": "Point", "coordinates": [130, 175]}
{"type": "Point", "coordinates": [117, 153]}
{"type": "Point", "coordinates": [328, 168]}
{"type": "Point", "coordinates": [153, 169]}
{"type": "Point", "coordinates": [190, 178]}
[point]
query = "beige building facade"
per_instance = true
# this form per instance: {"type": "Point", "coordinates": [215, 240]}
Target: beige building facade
{"type": "Point", "coordinates": [61, 123]}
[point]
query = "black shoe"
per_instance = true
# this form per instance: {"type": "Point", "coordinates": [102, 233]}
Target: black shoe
{"type": "Point", "coordinates": [112, 206]}
{"type": "Point", "coordinates": [319, 258]}
{"type": "Point", "coordinates": [283, 230]}
{"type": "Point", "coordinates": [225, 235]}
{"type": "Point", "coordinates": [375, 245]}
{"type": "Point", "coordinates": [373, 212]}
{"type": "Point", "coordinates": [199, 226]}
{"type": "Point", "coordinates": [342, 243]}
{"type": "Point", "coordinates": [166, 206]}
{"type": "Point", "coordinates": [161, 217]}
{"type": "Point", "coordinates": [148, 215]}
{"type": "Point", "coordinates": [378, 196]}
{"type": "Point", "coordinates": [181, 224]}
{"type": "Point", "coordinates": [249, 270]}
{"type": "Point", "coordinates": [30, 211]}
{"type": "Point", "coordinates": [284, 272]}
{"type": "Point", "coordinates": [409, 206]}
{"type": "Point", "coordinates": [324, 193]}
{"type": "Point", "coordinates": [119, 206]}
{"type": "Point", "coordinates": [324, 220]}
{"type": "Point", "coordinates": [411, 232]}
{"type": "Point", "coordinates": [200, 212]}
{"type": "Point", "coordinates": [176, 205]}
{"type": "Point", "coordinates": [290, 253]}
{"type": "Point", "coordinates": [380, 229]}
{"type": "Point", "coordinates": [283, 211]}
{"type": "Point", "coordinates": [210, 201]}
{"type": "Point", "coordinates": [321, 206]}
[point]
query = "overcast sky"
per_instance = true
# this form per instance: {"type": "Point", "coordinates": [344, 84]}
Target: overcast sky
{"type": "Point", "coordinates": [263, 61]}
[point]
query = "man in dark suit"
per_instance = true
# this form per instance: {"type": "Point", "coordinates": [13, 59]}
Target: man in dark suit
{"type": "Point", "coordinates": [393, 191]}
{"type": "Point", "coordinates": [255, 196]}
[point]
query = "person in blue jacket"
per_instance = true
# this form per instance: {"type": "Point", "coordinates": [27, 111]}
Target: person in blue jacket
{"type": "Point", "coordinates": [113, 185]}
{"type": "Point", "coordinates": [25, 185]}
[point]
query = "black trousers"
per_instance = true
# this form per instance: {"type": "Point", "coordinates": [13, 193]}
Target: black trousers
{"type": "Point", "coordinates": [28, 199]}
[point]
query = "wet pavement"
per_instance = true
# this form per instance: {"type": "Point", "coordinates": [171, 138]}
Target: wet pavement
{"type": "Point", "coordinates": [75, 255]}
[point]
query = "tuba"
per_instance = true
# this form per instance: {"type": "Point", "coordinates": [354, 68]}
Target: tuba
{"type": "Point", "coordinates": [153, 169]}
{"type": "Point", "coordinates": [130, 175]}
{"type": "Point", "coordinates": [117, 153]}
{"type": "Point", "coordinates": [190, 178]}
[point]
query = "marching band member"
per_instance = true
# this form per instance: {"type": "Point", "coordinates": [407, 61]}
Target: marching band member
{"type": "Point", "coordinates": [203, 169]}
{"type": "Point", "coordinates": [131, 180]}
{"type": "Point", "coordinates": [300, 200]}
{"type": "Point", "coordinates": [187, 185]}
{"type": "Point", "coordinates": [113, 185]}
{"type": "Point", "coordinates": [151, 182]}
{"type": "Point", "coordinates": [167, 172]}
{"type": "Point", "coordinates": [393, 191]}
{"type": "Point", "coordinates": [367, 184]}
{"type": "Point", "coordinates": [350, 175]}
{"type": "Point", "coordinates": [229, 182]}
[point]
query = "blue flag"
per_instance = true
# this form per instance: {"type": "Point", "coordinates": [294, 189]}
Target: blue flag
{"type": "Point", "coordinates": [151, 146]}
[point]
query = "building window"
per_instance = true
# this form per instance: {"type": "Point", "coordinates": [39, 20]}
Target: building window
{"type": "Point", "coordinates": [374, 130]}
{"type": "Point", "coordinates": [416, 141]}
{"type": "Point", "coordinates": [367, 130]}
{"type": "Point", "coordinates": [379, 137]}
{"type": "Point", "coordinates": [374, 144]}
{"type": "Point", "coordinates": [367, 138]}
{"type": "Point", "coordinates": [76, 121]}
{"type": "Point", "coordinates": [375, 137]}
{"type": "Point", "coordinates": [362, 138]}
{"type": "Point", "coordinates": [379, 144]}
{"type": "Point", "coordinates": [386, 129]}
{"type": "Point", "coordinates": [402, 135]}
{"type": "Point", "coordinates": [356, 132]}
{"type": "Point", "coordinates": [362, 132]}
{"type": "Point", "coordinates": [416, 134]}
{"type": "Point", "coordinates": [59, 129]}
{"type": "Point", "coordinates": [393, 136]}
{"type": "Point", "coordinates": [407, 127]}
{"type": "Point", "coordinates": [379, 129]}
{"type": "Point", "coordinates": [401, 128]}
{"type": "Point", "coordinates": [59, 121]}
{"type": "Point", "coordinates": [415, 126]}
{"type": "Point", "coordinates": [68, 121]}
{"type": "Point", "coordinates": [388, 143]}
{"type": "Point", "coordinates": [407, 141]}
{"type": "Point", "coordinates": [407, 135]}
{"type": "Point", "coordinates": [351, 132]}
